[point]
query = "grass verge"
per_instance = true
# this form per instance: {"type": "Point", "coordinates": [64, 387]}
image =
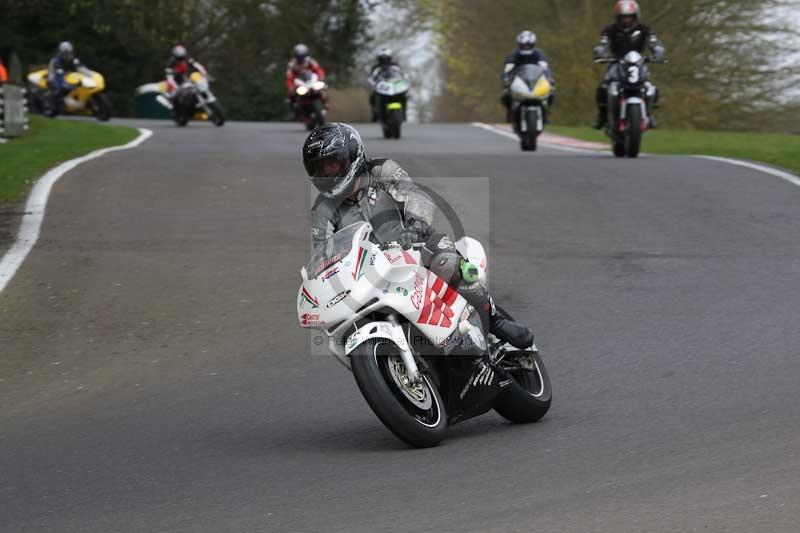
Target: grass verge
{"type": "Point", "coordinates": [772, 148]}
{"type": "Point", "coordinates": [47, 143]}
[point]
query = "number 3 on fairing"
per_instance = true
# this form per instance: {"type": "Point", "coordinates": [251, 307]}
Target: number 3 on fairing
{"type": "Point", "coordinates": [633, 74]}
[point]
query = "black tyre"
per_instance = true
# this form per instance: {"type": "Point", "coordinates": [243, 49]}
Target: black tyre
{"type": "Point", "coordinates": [217, 116]}
{"type": "Point", "coordinates": [527, 398]}
{"type": "Point", "coordinates": [530, 137]}
{"type": "Point", "coordinates": [415, 414]}
{"type": "Point", "coordinates": [395, 123]}
{"type": "Point", "coordinates": [619, 148]}
{"type": "Point", "coordinates": [181, 119]}
{"type": "Point", "coordinates": [633, 135]}
{"type": "Point", "coordinates": [101, 107]}
{"type": "Point", "coordinates": [318, 114]}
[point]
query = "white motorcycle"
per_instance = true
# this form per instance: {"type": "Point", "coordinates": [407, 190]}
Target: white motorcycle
{"type": "Point", "coordinates": [531, 93]}
{"type": "Point", "coordinates": [416, 348]}
{"type": "Point", "coordinates": [194, 100]}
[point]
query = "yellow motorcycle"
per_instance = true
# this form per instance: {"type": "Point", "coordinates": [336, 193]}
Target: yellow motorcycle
{"type": "Point", "coordinates": [86, 97]}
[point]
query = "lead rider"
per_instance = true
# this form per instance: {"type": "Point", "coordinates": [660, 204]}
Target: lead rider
{"type": "Point", "coordinates": [627, 34]}
{"type": "Point", "coordinates": [353, 188]}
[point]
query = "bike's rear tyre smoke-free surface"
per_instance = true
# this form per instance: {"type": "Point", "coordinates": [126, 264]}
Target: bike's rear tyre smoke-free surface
{"type": "Point", "coordinates": [528, 398]}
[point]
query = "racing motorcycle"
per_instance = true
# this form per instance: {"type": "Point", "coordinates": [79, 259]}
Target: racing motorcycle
{"type": "Point", "coordinates": [391, 93]}
{"type": "Point", "coordinates": [416, 348]}
{"type": "Point", "coordinates": [194, 100]}
{"type": "Point", "coordinates": [86, 97]}
{"type": "Point", "coordinates": [628, 95]}
{"type": "Point", "coordinates": [312, 98]}
{"type": "Point", "coordinates": [531, 93]}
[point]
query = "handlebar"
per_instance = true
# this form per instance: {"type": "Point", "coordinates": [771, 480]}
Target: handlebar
{"type": "Point", "coordinates": [394, 244]}
{"type": "Point", "coordinates": [647, 59]}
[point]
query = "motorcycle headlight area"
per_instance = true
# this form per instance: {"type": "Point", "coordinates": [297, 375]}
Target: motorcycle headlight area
{"type": "Point", "coordinates": [302, 90]}
{"type": "Point", "coordinates": [318, 86]}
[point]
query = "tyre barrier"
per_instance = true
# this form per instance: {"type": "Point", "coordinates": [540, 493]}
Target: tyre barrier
{"type": "Point", "coordinates": [13, 111]}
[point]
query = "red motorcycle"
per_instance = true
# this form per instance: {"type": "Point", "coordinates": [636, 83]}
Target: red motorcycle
{"type": "Point", "coordinates": [311, 104]}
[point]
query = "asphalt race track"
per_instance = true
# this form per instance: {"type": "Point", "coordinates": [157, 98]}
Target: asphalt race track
{"type": "Point", "coordinates": [153, 376]}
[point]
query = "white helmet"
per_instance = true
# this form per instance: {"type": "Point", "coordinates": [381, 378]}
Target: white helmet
{"type": "Point", "coordinates": [526, 42]}
{"type": "Point", "coordinates": [179, 52]}
{"type": "Point", "coordinates": [300, 52]}
{"type": "Point", "coordinates": [66, 51]}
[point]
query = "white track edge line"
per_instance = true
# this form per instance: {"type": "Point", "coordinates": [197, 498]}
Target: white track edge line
{"type": "Point", "coordinates": [37, 203]}
{"type": "Point", "coordinates": [787, 176]}
{"type": "Point", "coordinates": [498, 131]}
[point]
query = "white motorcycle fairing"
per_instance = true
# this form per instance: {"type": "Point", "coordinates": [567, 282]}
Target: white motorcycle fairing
{"type": "Point", "coordinates": [350, 277]}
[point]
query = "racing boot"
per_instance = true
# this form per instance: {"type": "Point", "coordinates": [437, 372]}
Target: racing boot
{"type": "Point", "coordinates": [602, 118]}
{"type": "Point", "coordinates": [507, 330]}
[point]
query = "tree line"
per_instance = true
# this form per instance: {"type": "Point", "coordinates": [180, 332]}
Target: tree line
{"type": "Point", "coordinates": [244, 43]}
{"type": "Point", "coordinates": [732, 63]}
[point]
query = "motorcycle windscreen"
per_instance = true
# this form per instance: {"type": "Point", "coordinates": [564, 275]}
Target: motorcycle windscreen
{"type": "Point", "coordinates": [332, 250]}
{"type": "Point", "coordinates": [530, 74]}
{"type": "Point", "coordinates": [526, 82]}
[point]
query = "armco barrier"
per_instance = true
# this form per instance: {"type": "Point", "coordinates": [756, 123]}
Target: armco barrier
{"type": "Point", "coordinates": [13, 111]}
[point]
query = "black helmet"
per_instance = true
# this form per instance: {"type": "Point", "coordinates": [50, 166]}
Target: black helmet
{"type": "Point", "coordinates": [333, 155]}
{"type": "Point", "coordinates": [66, 51]}
{"type": "Point", "coordinates": [384, 56]}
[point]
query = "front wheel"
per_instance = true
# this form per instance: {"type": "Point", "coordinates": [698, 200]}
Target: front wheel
{"type": "Point", "coordinates": [101, 107]}
{"type": "Point", "coordinates": [414, 413]}
{"type": "Point", "coordinates": [181, 118]}
{"type": "Point", "coordinates": [317, 114]}
{"type": "Point", "coordinates": [527, 398]}
{"type": "Point", "coordinates": [529, 138]}
{"type": "Point", "coordinates": [633, 135]}
{"type": "Point", "coordinates": [395, 123]}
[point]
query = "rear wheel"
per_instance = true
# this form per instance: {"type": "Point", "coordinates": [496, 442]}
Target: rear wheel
{"type": "Point", "coordinates": [101, 107]}
{"type": "Point", "coordinates": [633, 135]}
{"type": "Point", "coordinates": [217, 114]}
{"type": "Point", "coordinates": [415, 413]}
{"type": "Point", "coordinates": [527, 398]}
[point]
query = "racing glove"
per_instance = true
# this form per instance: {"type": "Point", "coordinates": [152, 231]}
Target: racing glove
{"type": "Point", "coordinates": [414, 231]}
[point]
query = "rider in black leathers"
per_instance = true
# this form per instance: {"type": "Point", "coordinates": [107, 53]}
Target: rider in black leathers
{"type": "Point", "coordinates": [353, 188]}
{"type": "Point", "coordinates": [627, 34]}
